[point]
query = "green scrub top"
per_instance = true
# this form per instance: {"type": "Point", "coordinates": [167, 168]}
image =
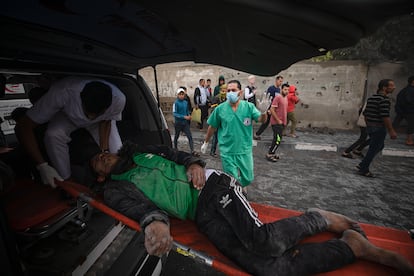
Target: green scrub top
{"type": "Point", "coordinates": [165, 183]}
{"type": "Point", "coordinates": [235, 129]}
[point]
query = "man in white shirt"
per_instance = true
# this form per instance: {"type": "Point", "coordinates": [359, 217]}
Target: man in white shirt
{"type": "Point", "coordinates": [71, 103]}
{"type": "Point", "coordinates": [250, 90]}
{"type": "Point", "coordinates": [202, 100]}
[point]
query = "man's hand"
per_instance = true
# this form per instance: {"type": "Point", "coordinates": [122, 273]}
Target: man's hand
{"type": "Point", "coordinates": [278, 121]}
{"type": "Point", "coordinates": [204, 147]}
{"type": "Point", "coordinates": [196, 175]}
{"type": "Point", "coordinates": [158, 240]}
{"type": "Point", "coordinates": [188, 117]}
{"type": "Point", "coordinates": [48, 174]}
{"type": "Point", "coordinates": [264, 103]}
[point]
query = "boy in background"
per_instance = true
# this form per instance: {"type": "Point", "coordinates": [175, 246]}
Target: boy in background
{"type": "Point", "coordinates": [182, 117]}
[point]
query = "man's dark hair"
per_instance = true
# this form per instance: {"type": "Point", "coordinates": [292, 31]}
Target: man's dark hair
{"type": "Point", "coordinates": [96, 97]}
{"type": "Point", "coordinates": [209, 80]}
{"type": "Point", "coordinates": [383, 83]}
{"type": "Point", "coordinates": [410, 80]}
{"type": "Point", "coordinates": [126, 154]}
{"type": "Point", "coordinates": [200, 81]}
{"type": "Point", "coordinates": [285, 85]}
{"type": "Point", "coordinates": [279, 77]}
{"type": "Point", "coordinates": [237, 82]}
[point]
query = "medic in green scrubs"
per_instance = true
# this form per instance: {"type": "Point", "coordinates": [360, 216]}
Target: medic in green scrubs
{"type": "Point", "coordinates": [233, 120]}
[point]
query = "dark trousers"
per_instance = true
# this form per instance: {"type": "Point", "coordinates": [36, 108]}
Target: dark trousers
{"type": "Point", "coordinates": [409, 117]}
{"type": "Point", "coordinates": [263, 126]}
{"type": "Point", "coordinates": [228, 220]}
{"type": "Point", "coordinates": [397, 120]}
{"type": "Point", "coordinates": [184, 127]}
{"type": "Point", "coordinates": [204, 115]}
{"type": "Point", "coordinates": [376, 144]}
{"type": "Point", "coordinates": [362, 141]}
{"type": "Point", "coordinates": [277, 138]}
{"type": "Point", "coordinates": [214, 142]}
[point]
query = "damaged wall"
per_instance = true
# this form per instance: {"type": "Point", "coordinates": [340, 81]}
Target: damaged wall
{"type": "Point", "coordinates": [330, 92]}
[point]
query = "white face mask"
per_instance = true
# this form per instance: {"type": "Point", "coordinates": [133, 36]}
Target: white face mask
{"type": "Point", "coordinates": [232, 97]}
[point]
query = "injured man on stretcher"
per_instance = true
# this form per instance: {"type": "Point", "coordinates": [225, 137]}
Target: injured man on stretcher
{"type": "Point", "coordinates": [149, 184]}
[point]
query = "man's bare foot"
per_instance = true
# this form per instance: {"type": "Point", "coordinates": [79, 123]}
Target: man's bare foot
{"type": "Point", "coordinates": [338, 223]}
{"type": "Point", "coordinates": [365, 250]}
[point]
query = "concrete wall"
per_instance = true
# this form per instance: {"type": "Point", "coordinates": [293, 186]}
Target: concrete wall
{"type": "Point", "coordinates": [330, 92]}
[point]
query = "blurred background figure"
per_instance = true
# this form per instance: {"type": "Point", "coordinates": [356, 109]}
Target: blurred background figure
{"type": "Point", "coordinates": [363, 140]}
{"type": "Point", "coordinates": [404, 107]}
{"type": "Point", "coordinates": [250, 90]}
{"type": "Point", "coordinates": [218, 99]}
{"type": "Point", "coordinates": [293, 99]}
{"type": "Point", "coordinates": [272, 91]}
{"type": "Point", "coordinates": [182, 117]}
{"type": "Point", "coordinates": [221, 81]}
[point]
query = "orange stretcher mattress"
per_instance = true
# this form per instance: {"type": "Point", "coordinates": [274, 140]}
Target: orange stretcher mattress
{"type": "Point", "coordinates": [28, 204]}
{"type": "Point", "coordinates": [398, 241]}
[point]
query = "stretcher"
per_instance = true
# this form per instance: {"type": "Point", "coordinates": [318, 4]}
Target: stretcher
{"type": "Point", "coordinates": [398, 241]}
{"type": "Point", "coordinates": [188, 241]}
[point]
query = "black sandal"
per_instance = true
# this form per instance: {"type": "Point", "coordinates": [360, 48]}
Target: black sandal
{"type": "Point", "coordinates": [272, 158]}
{"type": "Point", "coordinates": [366, 174]}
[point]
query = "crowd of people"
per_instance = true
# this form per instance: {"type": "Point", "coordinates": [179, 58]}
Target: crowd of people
{"type": "Point", "coordinates": [279, 113]}
{"type": "Point", "coordinates": [230, 125]}
{"type": "Point", "coordinates": [228, 112]}
{"type": "Point", "coordinates": [281, 98]}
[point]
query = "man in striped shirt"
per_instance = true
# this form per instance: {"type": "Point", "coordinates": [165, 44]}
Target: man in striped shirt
{"type": "Point", "coordinates": [377, 117]}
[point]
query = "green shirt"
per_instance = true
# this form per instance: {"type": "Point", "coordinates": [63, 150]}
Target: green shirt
{"type": "Point", "coordinates": [165, 183]}
{"type": "Point", "coordinates": [235, 129]}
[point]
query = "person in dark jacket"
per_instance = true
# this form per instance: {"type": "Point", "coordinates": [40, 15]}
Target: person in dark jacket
{"type": "Point", "coordinates": [271, 91]}
{"type": "Point", "coordinates": [148, 184]}
{"type": "Point", "coordinates": [187, 99]}
{"type": "Point", "coordinates": [218, 99]}
{"type": "Point", "coordinates": [202, 101]}
{"type": "Point", "coordinates": [221, 81]}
